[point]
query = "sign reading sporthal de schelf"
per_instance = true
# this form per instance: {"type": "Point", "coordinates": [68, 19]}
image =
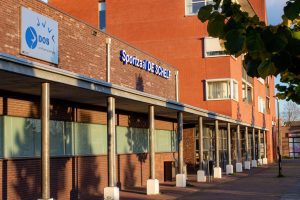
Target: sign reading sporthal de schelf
{"type": "Point", "coordinates": [144, 64]}
{"type": "Point", "coordinates": [39, 36]}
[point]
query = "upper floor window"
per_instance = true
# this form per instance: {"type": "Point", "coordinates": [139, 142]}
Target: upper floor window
{"type": "Point", "coordinates": [261, 105]}
{"type": "Point", "coordinates": [218, 89]}
{"type": "Point", "coordinates": [247, 88]}
{"type": "Point", "coordinates": [192, 6]}
{"type": "Point", "coordinates": [102, 16]}
{"type": "Point", "coordinates": [268, 105]}
{"type": "Point", "coordinates": [212, 47]}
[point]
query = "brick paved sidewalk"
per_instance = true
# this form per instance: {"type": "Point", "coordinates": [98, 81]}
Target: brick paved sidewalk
{"type": "Point", "coordinates": [259, 183]}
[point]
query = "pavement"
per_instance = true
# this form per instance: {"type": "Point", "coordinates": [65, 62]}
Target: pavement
{"type": "Point", "coordinates": [257, 183]}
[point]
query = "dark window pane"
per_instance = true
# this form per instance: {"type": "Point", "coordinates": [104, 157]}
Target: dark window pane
{"type": "Point", "coordinates": [102, 20]}
{"type": "Point", "coordinates": [197, 6]}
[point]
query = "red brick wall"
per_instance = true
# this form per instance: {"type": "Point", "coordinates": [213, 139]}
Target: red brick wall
{"type": "Point", "coordinates": [13, 104]}
{"type": "Point", "coordinates": [189, 146]}
{"type": "Point", "coordinates": [88, 13]}
{"type": "Point", "coordinates": [84, 177]}
{"type": "Point", "coordinates": [83, 52]}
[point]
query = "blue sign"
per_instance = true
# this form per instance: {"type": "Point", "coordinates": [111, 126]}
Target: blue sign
{"type": "Point", "coordinates": [144, 64]}
{"type": "Point", "coordinates": [39, 36]}
{"type": "Point", "coordinates": [31, 37]}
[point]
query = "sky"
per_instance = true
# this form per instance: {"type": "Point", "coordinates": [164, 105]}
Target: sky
{"type": "Point", "coordinates": [274, 12]}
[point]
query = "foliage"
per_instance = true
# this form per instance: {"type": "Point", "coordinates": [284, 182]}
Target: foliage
{"type": "Point", "coordinates": [268, 50]}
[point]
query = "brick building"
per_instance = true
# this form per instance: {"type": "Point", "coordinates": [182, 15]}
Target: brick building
{"type": "Point", "coordinates": [108, 98]}
{"type": "Point", "coordinates": [290, 138]}
{"type": "Point", "coordinates": [208, 78]}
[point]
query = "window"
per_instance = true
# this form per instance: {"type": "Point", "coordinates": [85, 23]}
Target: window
{"type": "Point", "coordinates": [247, 91]}
{"type": "Point", "coordinates": [193, 6]}
{"type": "Point", "coordinates": [261, 105]}
{"type": "Point", "coordinates": [102, 16]}
{"type": "Point", "coordinates": [234, 90]}
{"type": "Point", "coordinates": [221, 89]}
{"type": "Point", "coordinates": [212, 47]}
{"type": "Point", "coordinates": [246, 77]}
{"type": "Point", "coordinates": [247, 88]}
{"type": "Point", "coordinates": [268, 104]}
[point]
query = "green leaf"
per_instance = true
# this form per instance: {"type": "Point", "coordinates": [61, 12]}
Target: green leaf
{"type": "Point", "coordinates": [254, 43]}
{"type": "Point", "coordinates": [292, 10]}
{"type": "Point", "coordinates": [251, 65]}
{"type": "Point", "coordinates": [204, 13]}
{"type": "Point", "coordinates": [296, 35]}
{"type": "Point", "coordinates": [276, 38]}
{"type": "Point", "coordinates": [266, 68]}
{"type": "Point", "coordinates": [235, 41]}
{"type": "Point", "coordinates": [216, 25]}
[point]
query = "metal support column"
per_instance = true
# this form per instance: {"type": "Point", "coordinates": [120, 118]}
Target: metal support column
{"type": "Point", "coordinates": [152, 141]}
{"type": "Point", "coordinates": [45, 156]}
{"type": "Point", "coordinates": [180, 142]}
{"type": "Point", "coordinates": [265, 145]}
{"type": "Point", "coordinates": [200, 141]}
{"type": "Point", "coordinates": [258, 144]}
{"type": "Point", "coordinates": [229, 143]}
{"type": "Point", "coordinates": [253, 142]}
{"type": "Point", "coordinates": [239, 151]}
{"type": "Point", "coordinates": [111, 136]}
{"type": "Point", "coordinates": [247, 143]}
{"type": "Point", "coordinates": [217, 143]}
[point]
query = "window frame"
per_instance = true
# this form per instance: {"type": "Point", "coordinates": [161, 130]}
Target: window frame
{"type": "Point", "coordinates": [101, 8]}
{"type": "Point", "coordinates": [231, 89]}
{"type": "Point", "coordinates": [248, 84]}
{"type": "Point", "coordinates": [186, 4]}
{"type": "Point", "coordinates": [263, 103]}
{"type": "Point", "coordinates": [205, 41]}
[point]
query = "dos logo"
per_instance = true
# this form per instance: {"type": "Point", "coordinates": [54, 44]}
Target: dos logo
{"type": "Point", "coordinates": [32, 38]}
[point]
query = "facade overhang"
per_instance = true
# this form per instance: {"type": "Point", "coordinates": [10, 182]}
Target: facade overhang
{"type": "Point", "coordinates": [23, 76]}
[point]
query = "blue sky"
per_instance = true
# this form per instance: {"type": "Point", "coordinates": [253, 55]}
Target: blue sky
{"type": "Point", "coordinates": [274, 12]}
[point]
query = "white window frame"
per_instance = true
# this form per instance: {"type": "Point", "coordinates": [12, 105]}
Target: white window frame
{"type": "Point", "coordinates": [246, 90]}
{"type": "Point", "coordinates": [206, 39]}
{"type": "Point", "coordinates": [261, 104]}
{"type": "Point", "coordinates": [189, 2]}
{"type": "Point", "coordinates": [261, 80]}
{"type": "Point", "coordinates": [231, 89]}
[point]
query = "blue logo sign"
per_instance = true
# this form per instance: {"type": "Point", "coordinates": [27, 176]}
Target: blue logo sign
{"type": "Point", "coordinates": [39, 37]}
{"type": "Point", "coordinates": [31, 37]}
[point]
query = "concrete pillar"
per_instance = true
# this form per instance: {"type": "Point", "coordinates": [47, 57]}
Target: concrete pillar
{"type": "Point", "coordinates": [247, 162]}
{"type": "Point", "coordinates": [152, 183]}
{"type": "Point", "coordinates": [217, 169]}
{"type": "Point", "coordinates": [45, 140]}
{"type": "Point", "coordinates": [200, 173]}
{"type": "Point", "coordinates": [265, 160]}
{"type": "Point", "coordinates": [239, 166]}
{"type": "Point", "coordinates": [259, 160]}
{"type": "Point", "coordinates": [253, 162]}
{"type": "Point", "coordinates": [180, 177]}
{"type": "Point", "coordinates": [112, 191]}
{"type": "Point", "coordinates": [229, 166]}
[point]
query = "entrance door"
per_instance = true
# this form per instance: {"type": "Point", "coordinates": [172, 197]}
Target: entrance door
{"type": "Point", "coordinates": [168, 169]}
